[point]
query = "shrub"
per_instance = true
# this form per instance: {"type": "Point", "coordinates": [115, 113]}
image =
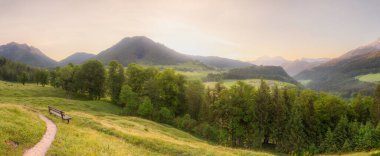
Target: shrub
{"type": "Point", "coordinates": [145, 108]}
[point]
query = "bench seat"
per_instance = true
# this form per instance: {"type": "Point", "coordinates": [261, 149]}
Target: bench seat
{"type": "Point", "coordinates": [59, 113]}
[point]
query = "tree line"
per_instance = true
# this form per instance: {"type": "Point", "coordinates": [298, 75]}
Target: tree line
{"type": "Point", "coordinates": [290, 120]}
{"type": "Point", "coordinates": [18, 72]}
{"type": "Point", "coordinates": [253, 72]}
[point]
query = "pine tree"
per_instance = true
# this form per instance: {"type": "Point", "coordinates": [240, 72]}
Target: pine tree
{"type": "Point", "coordinates": [346, 146]}
{"type": "Point", "coordinates": [280, 115]}
{"type": "Point", "coordinates": [375, 110]}
{"type": "Point", "coordinates": [295, 137]}
{"type": "Point", "coordinates": [263, 111]}
{"type": "Point", "coordinates": [328, 144]}
{"type": "Point", "coordinates": [341, 132]}
{"type": "Point", "coordinates": [24, 78]}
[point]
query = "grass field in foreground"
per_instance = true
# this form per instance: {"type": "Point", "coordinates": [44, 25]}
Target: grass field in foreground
{"type": "Point", "coordinates": [20, 129]}
{"type": "Point", "coordinates": [373, 78]}
{"type": "Point", "coordinates": [254, 82]}
{"type": "Point", "coordinates": [98, 129]}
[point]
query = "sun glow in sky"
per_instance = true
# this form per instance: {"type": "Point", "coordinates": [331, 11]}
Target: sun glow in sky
{"type": "Point", "coordinates": [239, 29]}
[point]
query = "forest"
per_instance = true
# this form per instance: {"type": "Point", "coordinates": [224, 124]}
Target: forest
{"type": "Point", "coordinates": [289, 120]}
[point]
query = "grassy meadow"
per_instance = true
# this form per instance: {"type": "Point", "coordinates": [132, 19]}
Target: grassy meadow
{"type": "Point", "coordinates": [372, 78]}
{"type": "Point", "coordinates": [97, 127]}
{"type": "Point", "coordinates": [20, 129]}
{"type": "Point", "coordinates": [254, 82]}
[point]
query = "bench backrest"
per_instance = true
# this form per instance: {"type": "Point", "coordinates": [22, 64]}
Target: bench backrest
{"type": "Point", "coordinates": [56, 110]}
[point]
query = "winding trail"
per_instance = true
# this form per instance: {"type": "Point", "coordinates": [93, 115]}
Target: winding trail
{"type": "Point", "coordinates": [42, 147]}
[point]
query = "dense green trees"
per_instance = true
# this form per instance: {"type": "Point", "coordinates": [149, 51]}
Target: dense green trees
{"type": "Point", "coordinates": [116, 78]}
{"type": "Point", "coordinates": [375, 108]}
{"type": "Point", "coordinates": [287, 119]}
{"type": "Point", "coordinates": [91, 79]}
{"type": "Point", "coordinates": [18, 72]}
{"type": "Point", "coordinates": [87, 79]}
{"type": "Point", "coordinates": [129, 100]}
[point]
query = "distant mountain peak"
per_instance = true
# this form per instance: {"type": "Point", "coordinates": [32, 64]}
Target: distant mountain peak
{"type": "Point", "coordinates": [76, 58]}
{"type": "Point", "coordinates": [361, 50]}
{"type": "Point", "coordinates": [26, 54]}
{"type": "Point", "coordinates": [136, 39]}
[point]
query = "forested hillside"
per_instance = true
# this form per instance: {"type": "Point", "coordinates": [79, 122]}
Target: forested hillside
{"type": "Point", "coordinates": [253, 72]}
{"type": "Point", "coordinates": [339, 74]}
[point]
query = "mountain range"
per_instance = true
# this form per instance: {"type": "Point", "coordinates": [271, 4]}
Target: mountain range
{"type": "Point", "coordinates": [138, 49]}
{"type": "Point", "coordinates": [291, 67]}
{"type": "Point", "coordinates": [339, 74]}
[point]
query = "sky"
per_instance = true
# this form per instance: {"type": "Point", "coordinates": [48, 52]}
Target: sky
{"type": "Point", "coordinates": [238, 29]}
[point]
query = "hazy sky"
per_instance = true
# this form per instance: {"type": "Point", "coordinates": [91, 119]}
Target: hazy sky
{"type": "Point", "coordinates": [240, 29]}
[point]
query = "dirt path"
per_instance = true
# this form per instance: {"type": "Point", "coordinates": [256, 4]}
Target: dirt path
{"type": "Point", "coordinates": [42, 147]}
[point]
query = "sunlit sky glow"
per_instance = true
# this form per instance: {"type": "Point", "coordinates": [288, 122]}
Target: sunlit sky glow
{"type": "Point", "coordinates": [239, 29]}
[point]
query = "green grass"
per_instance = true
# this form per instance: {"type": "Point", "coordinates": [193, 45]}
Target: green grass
{"type": "Point", "coordinates": [97, 128]}
{"type": "Point", "coordinates": [20, 129]}
{"type": "Point", "coordinates": [195, 75]}
{"type": "Point", "coordinates": [372, 78]}
{"type": "Point", "coordinates": [254, 82]}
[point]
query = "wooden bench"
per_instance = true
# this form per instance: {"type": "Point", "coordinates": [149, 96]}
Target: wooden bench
{"type": "Point", "coordinates": [59, 113]}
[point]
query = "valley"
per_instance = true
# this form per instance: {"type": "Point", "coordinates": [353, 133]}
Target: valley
{"type": "Point", "coordinates": [190, 78]}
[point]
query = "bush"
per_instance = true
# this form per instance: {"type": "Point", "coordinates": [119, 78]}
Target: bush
{"type": "Point", "coordinates": [185, 122]}
{"type": "Point", "coordinates": [165, 115]}
{"type": "Point", "coordinates": [145, 108]}
{"type": "Point", "coordinates": [129, 99]}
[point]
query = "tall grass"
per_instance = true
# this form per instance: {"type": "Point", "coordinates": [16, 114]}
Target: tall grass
{"type": "Point", "coordinates": [19, 129]}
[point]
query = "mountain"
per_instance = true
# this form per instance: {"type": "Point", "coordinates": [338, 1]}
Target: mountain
{"type": "Point", "coordinates": [339, 74]}
{"type": "Point", "coordinates": [140, 49]}
{"type": "Point", "coordinates": [297, 66]}
{"type": "Point", "coordinates": [26, 54]}
{"type": "Point", "coordinates": [270, 61]}
{"type": "Point", "coordinates": [76, 58]}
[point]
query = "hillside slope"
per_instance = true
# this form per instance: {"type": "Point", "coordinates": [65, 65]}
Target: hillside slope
{"type": "Point", "coordinates": [339, 74]}
{"type": "Point", "coordinates": [297, 66]}
{"type": "Point", "coordinates": [26, 54]}
{"type": "Point", "coordinates": [98, 129]}
{"type": "Point", "coordinates": [259, 72]}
